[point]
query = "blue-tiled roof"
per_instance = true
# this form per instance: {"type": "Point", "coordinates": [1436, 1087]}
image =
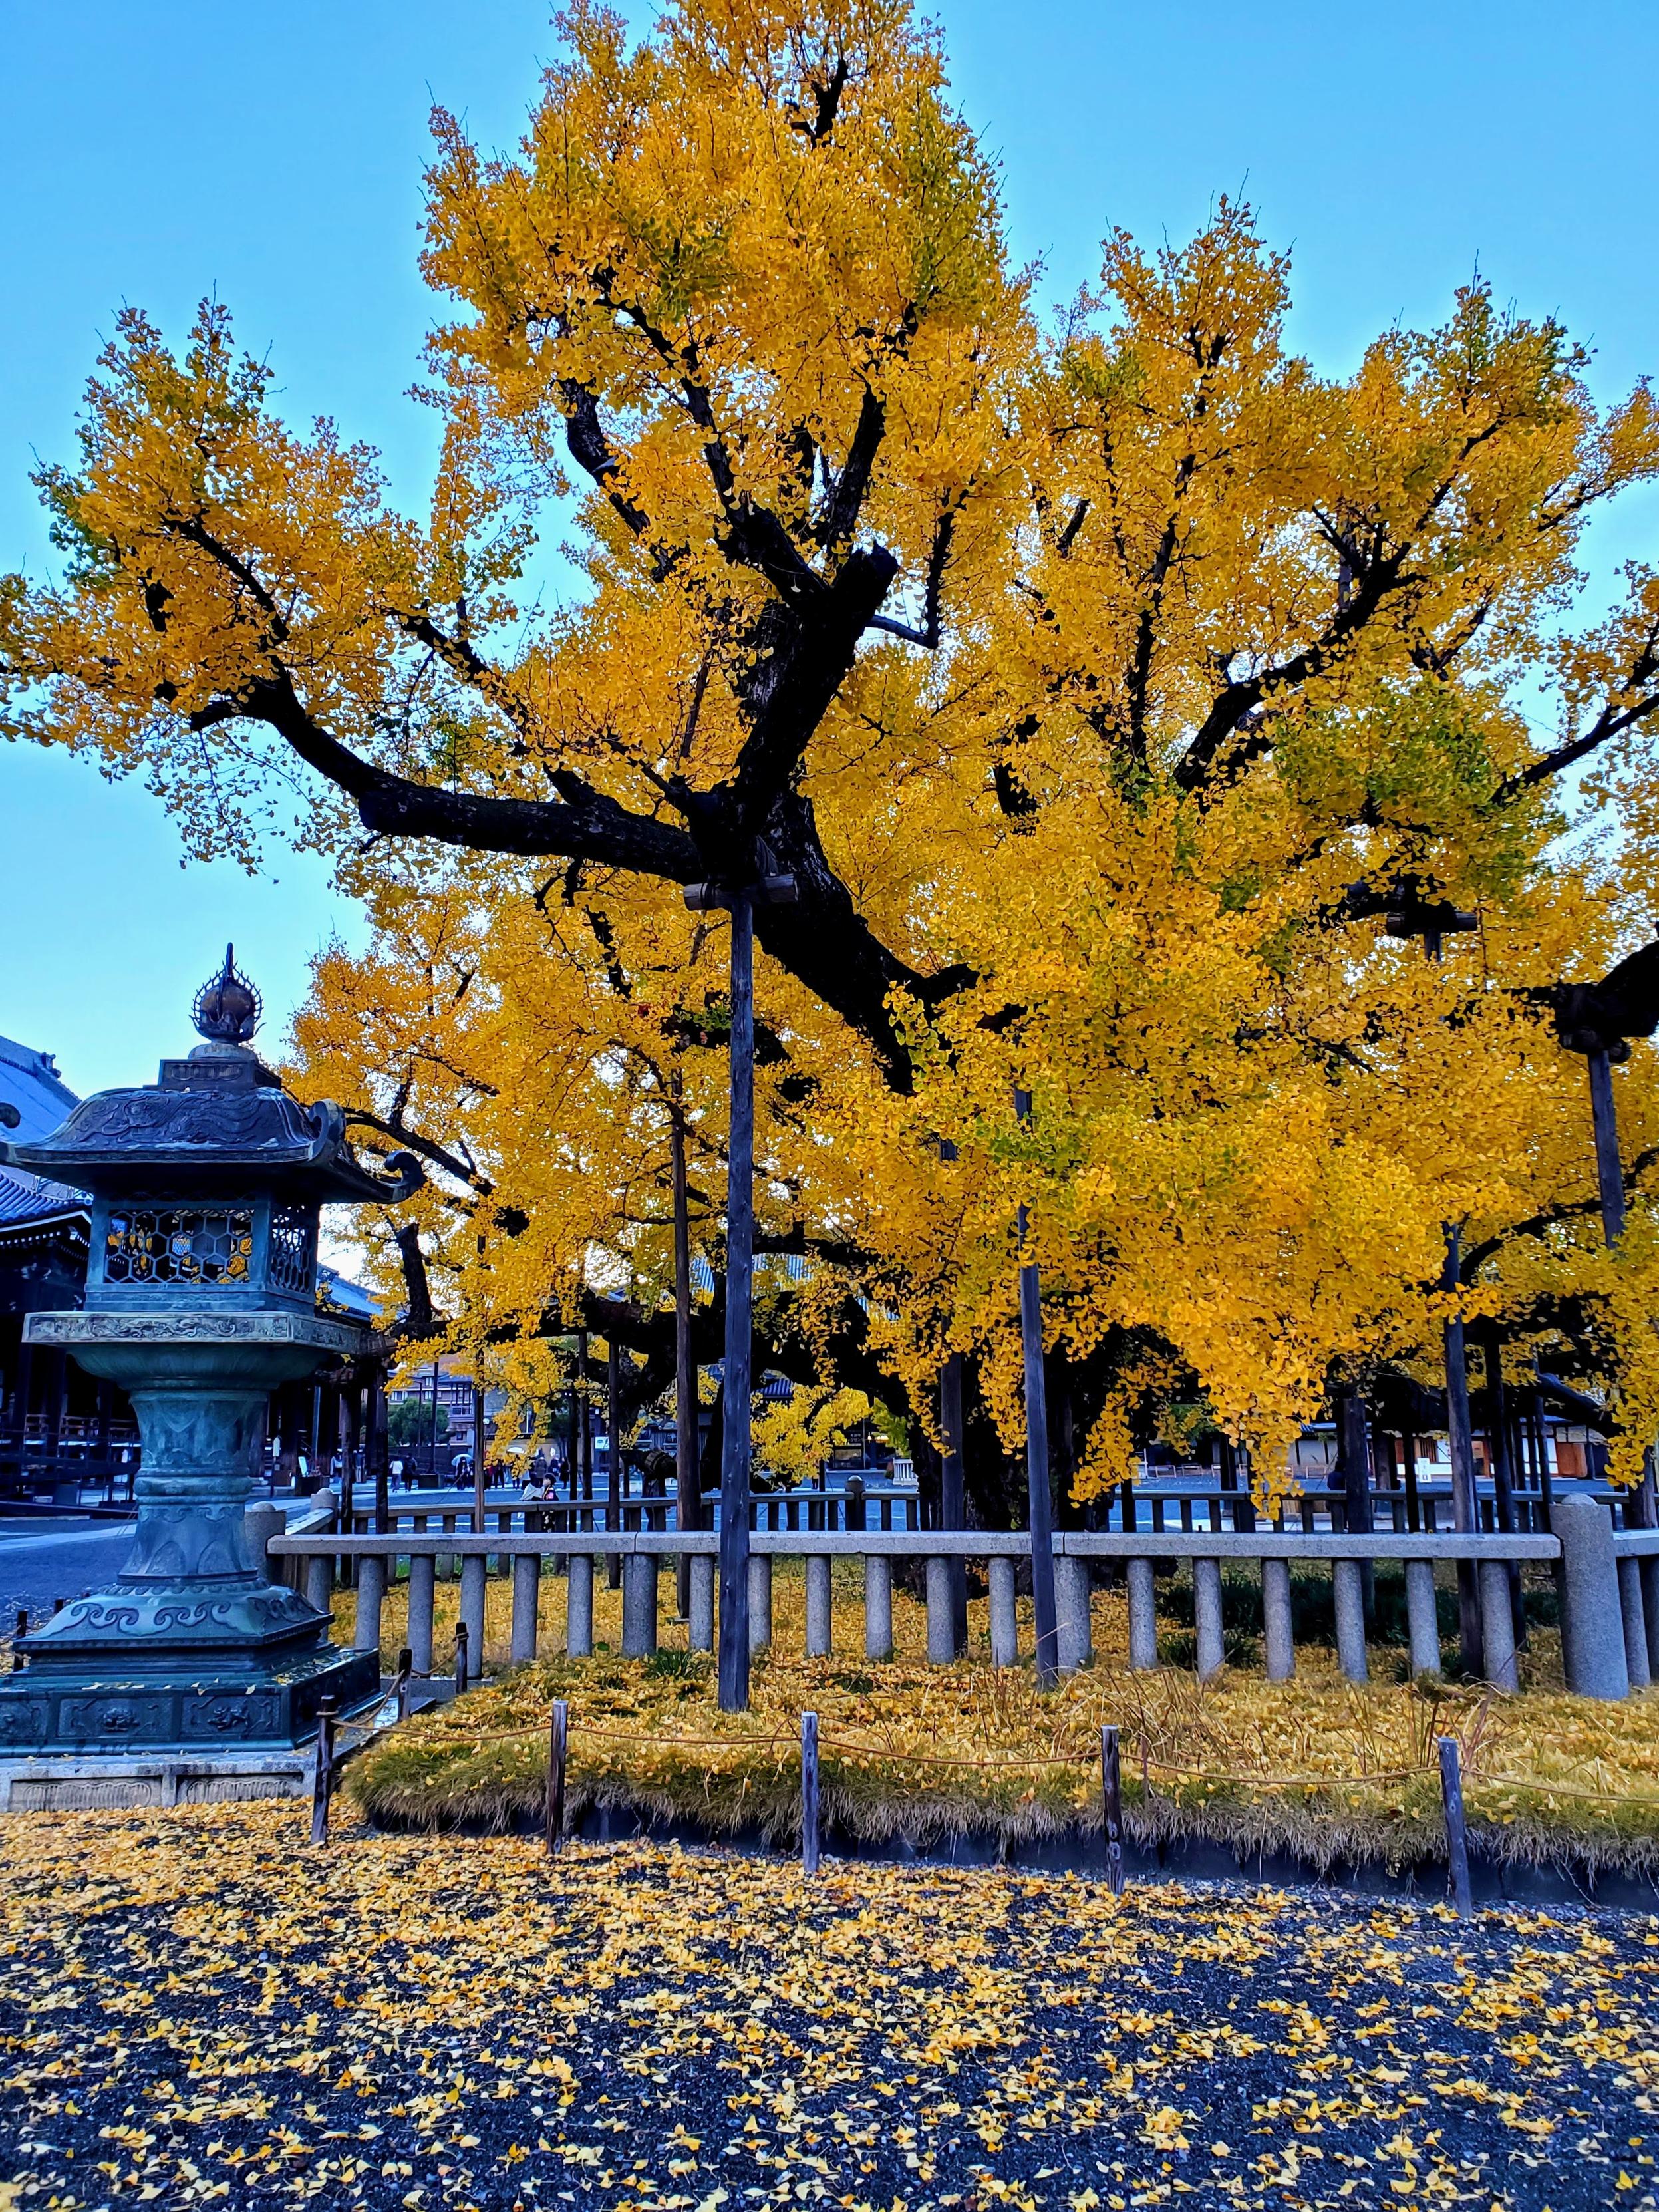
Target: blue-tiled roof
{"type": "Point", "coordinates": [29, 1081]}
{"type": "Point", "coordinates": [26, 1198]}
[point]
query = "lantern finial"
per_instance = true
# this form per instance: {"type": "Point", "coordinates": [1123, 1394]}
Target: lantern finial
{"type": "Point", "coordinates": [227, 1009]}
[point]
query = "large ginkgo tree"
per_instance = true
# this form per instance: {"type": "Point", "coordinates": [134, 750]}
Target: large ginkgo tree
{"type": "Point", "coordinates": [1103, 684]}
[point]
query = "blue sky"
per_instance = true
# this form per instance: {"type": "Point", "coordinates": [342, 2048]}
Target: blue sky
{"type": "Point", "coordinates": [150, 155]}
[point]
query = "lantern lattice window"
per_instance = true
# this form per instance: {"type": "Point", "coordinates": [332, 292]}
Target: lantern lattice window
{"type": "Point", "coordinates": [293, 1249]}
{"type": "Point", "coordinates": [208, 1248]}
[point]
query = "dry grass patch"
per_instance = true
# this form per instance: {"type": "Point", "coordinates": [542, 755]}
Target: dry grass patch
{"type": "Point", "coordinates": [926, 1754]}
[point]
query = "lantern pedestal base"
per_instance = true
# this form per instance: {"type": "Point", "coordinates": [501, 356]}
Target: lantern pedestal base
{"type": "Point", "coordinates": [190, 1650]}
{"type": "Point", "coordinates": [189, 1706]}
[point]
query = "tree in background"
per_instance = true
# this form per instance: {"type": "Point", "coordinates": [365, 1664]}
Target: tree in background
{"type": "Point", "coordinates": [1098, 685]}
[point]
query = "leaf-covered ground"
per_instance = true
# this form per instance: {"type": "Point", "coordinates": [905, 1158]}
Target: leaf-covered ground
{"type": "Point", "coordinates": [1316, 1766]}
{"type": "Point", "coordinates": [198, 2008]}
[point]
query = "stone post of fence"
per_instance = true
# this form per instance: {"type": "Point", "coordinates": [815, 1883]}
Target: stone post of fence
{"type": "Point", "coordinates": [527, 1596]}
{"type": "Point", "coordinates": [1071, 1623]}
{"type": "Point", "coordinates": [1497, 1625]}
{"type": "Point", "coordinates": [579, 1604]}
{"type": "Point", "coordinates": [261, 1524]}
{"type": "Point", "coordinates": [1206, 1613]}
{"type": "Point", "coordinates": [422, 1590]}
{"type": "Point", "coordinates": [474, 1576]}
{"type": "Point", "coordinates": [1422, 1617]}
{"type": "Point", "coordinates": [820, 1607]}
{"type": "Point", "coordinates": [1143, 1615]}
{"type": "Point", "coordinates": [941, 1613]}
{"type": "Point", "coordinates": [700, 1623]}
{"type": "Point", "coordinates": [1634, 1613]}
{"type": "Point", "coordinates": [1278, 1641]}
{"type": "Point", "coordinates": [371, 1597]}
{"type": "Point", "coordinates": [1348, 1601]}
{"type": "Point", "coordinates": [1005, 1617]}
{"type": "Point", "coordinates": [878, 1606]}
{"type": "Point", "coordinates": [638, 1587]}
{"type": "Point", "coordinates": [320, 1582]}
{"type": "Point", "coordinates": [760, 1601]}
{"type": "Point", "coordinates": [1592, 1620]}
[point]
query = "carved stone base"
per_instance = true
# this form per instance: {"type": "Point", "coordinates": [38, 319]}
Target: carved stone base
{"type": "Point", "coordinates": [71, 1784]}
{"type": "Point", "coordinates": [190, 1707]}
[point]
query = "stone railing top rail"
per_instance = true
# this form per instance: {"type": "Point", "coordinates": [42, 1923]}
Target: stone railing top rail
{"type": "Point", "coordinates": [921, 1544]}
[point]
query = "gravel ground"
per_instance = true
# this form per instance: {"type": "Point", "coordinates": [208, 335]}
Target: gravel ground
{"type": "Point", "coordinates": [196, 2007]}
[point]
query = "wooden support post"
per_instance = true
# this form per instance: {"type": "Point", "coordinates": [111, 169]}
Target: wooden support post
{"type": "Point", "coordinates": [582, 1429]}
{"type": "Point", "coordinates": [461, 1659]}
{"type": "Point", "coordinates": [1040, 1498]}
{"type": "Point", "coordinates": [1609, 1172]}
{"type": "Point", "coordinates": [613, 1466]}
{"type": "Point", "coordinates": [322, 1770]}
{"type": "Point", "coordinates": [1111, 1806]}
{"type": "Point", "coordinates": [952, 1498]}
{"type": "Point", "coordinates": [57, 1375]}
{"type": "Point", "coordinates": [557, 1752]}
{"type": "Point", "coordinates": [688, 1479]}
{"type": "Point", "coordinates": [809, 1795]}
{"type": "Point", "coordinates": [1457, 1834]}
{"type": "Point", "coordinates": [480, 1447]}
{"type": "Point", "coordinates": [1465, 1517]}
{"type": "Point", "coordinates": [401, 1680]}
{"type": "Point", "coordinates": [377, 1447]}
{"type": "Point", "coordinates": [734, 1626]}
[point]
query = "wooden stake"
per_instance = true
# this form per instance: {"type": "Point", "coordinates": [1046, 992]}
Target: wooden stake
{"type": "Point", "coordinates": [401, 1681]}
{"type": "Point", "coordinates": [557, 1748]}
{"type": "Point", "coordinates": [809, 1794]}
{"type": "Point", "coordinates": [1457, 1834]}
{"type": "Point", "coordinates": [1111, 1799]}
{"type": "Point", "coordinates": [322, 1772]}
{"type": "Point", "coordinates": [461, 1657]}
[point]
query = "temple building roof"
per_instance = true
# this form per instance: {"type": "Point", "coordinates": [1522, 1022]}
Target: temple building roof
{"type": "Point", "coordinates": [29, 1081]}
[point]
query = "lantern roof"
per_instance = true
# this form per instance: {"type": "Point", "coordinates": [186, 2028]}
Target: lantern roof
{"type": "Point", "coordinates": [217, 1121]}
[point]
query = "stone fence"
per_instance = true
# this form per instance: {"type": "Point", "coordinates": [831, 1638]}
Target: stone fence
{"type": "Point", "coordinates": [1608, 1579]}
